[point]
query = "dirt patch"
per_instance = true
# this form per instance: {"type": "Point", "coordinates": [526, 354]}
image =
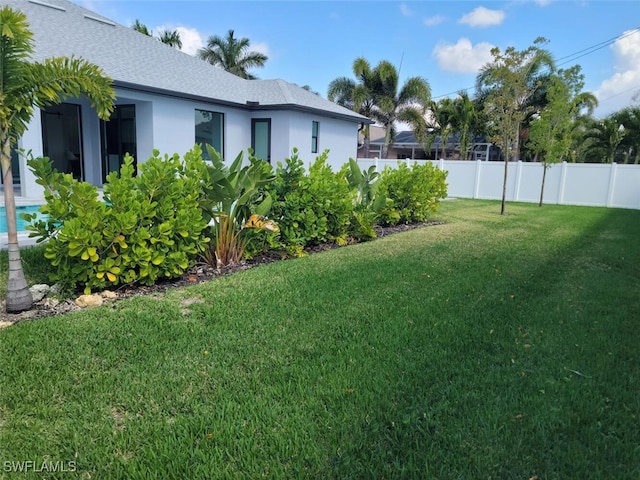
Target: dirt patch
{"type": "Point", "coordinates": [197, 274]}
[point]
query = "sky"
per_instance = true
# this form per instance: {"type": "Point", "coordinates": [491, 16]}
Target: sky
{"type": "Point", "coordinates": [312, 42]}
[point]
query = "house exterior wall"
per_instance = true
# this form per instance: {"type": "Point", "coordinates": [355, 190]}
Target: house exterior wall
{"type": "Point", "coordinates": [340, 137]}
{"type": "Point", "coordinates": [168, 125]}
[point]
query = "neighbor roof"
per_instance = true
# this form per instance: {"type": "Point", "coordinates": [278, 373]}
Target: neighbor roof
{"type": "Point", "coordinates": [134, 60]}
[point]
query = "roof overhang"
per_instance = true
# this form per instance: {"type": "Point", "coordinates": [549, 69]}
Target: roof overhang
{"type": "Point", "coordinates": [249, 106]}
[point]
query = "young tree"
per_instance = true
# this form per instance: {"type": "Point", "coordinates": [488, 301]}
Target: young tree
{"type": "Point", "coordinates": [507, 86]}
{"type": "Point", "coordinates": [357, 95]}
{"type": "Point", "coordinates": [550, 133]}
{"type": "Point", "coordinates": [232, 54]}
{"type": "Point", "coordinates": [26, 85]}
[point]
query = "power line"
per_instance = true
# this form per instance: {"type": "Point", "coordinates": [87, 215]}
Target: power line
{"type": "Point", "coordinates": [568, 58]}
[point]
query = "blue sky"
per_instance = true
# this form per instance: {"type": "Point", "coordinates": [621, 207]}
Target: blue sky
{"type": "Point", "coordinates": [446, 42]}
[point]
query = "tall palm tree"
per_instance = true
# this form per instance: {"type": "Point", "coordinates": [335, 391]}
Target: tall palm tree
{"type": "Point", "coordinates": [407, 104]}
{"type": "Point", "coordinates": [23, 86]}
{"type": "Point", "coordinates": [357, 95]}
{"type": "Point", "coordinates": [232, 54]}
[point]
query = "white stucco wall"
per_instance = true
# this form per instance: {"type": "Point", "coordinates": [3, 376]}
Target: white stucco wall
{"type": "Point", "coordinates": [168, 124]}
{"type": "Point", "coordinates": [293, 130]}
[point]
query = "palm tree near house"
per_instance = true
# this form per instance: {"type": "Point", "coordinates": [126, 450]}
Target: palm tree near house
{"type": "Point", "coordinates": [407, 104]}
{"type": "Point", "coordinates": [168, 37]}
{"type": "Point", "coordinates": [140, 27]}
{"type": "Point", "coordinates": [357, 95]}
{"type": "Point", "coordinates": [171, 38]}
{"type": "Point", "coordinates": [232, 54]}
{"type": "Point", "coordinates": [25, 85]}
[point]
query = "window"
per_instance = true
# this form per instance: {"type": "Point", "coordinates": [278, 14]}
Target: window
{"type": "Point", "coordinates": [210, 130]}
{"type": "Point", "coordinates": [315, 127]}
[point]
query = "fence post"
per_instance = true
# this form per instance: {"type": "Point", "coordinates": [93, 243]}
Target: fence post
{"type": "Point", "coordinates": [563, 178]}
{"type": "Point", "coordinates": [612, 184]}
{"type": "Point", "coordinates": [476, 182]}
{"type": "Point", "coordinates": [516, 196]}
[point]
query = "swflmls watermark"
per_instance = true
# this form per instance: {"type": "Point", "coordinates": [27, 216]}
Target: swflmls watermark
{"type": "Point", "coordinates": [39, 467]}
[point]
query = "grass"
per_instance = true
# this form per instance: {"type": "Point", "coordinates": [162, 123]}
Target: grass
{"type": "Point", "coordinates": [494, 347]}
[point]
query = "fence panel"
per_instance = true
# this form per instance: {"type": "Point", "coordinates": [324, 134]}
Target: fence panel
{"type": "Point", "coordinates": [609, 185]}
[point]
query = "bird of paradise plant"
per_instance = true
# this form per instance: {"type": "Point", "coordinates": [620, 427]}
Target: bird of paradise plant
{"type": "Point", "coordinates": [236, 204]}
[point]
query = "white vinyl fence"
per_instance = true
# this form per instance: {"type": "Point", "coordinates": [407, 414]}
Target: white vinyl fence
{"type": "Point", "coordinates": [603, 185]}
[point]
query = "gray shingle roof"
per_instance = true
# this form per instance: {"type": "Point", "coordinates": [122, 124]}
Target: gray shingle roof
{"type": "Point", "coordinates": [62, 28]}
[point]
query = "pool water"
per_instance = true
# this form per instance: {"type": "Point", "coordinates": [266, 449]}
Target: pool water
{"type": "Point", "coordinates": [21, 223]}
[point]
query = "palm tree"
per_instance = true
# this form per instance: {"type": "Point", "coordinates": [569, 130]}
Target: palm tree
{"type": "Point", "coordinates": [407, 104]}
{"type": "Point", "coordinates": [465, 120]}
{"type": "Point", "coordinates": [171, 38]}
{"type": "Point", "coordinates": [26, 85]}
{"type": "Point", "coordinates": [357, 95]}
{"type": "Point", "coordinates": [232, 54]}
{"type": "Point", "coordinates": [629, 118]}
{"type": "Point", "coordinates": [138, 26]}
{"type": "Point", "coordinates": [443, 111]}
{"type": "Point", "coordinates": [604, 139]}
{"type": "Point", "coordinates": [168, 37]}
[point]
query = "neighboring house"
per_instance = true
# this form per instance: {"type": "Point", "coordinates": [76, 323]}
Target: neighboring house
{"type": "Point", "coordinates": [406, 146]}
{"type": "Point", "coordinates": [166, 100]}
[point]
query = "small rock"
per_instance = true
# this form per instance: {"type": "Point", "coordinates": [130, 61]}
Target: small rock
{"type": "Point", "coordinates": [50, 302]}
{"type": "Point", "coordinates": [56, 289]}
{"type": "Point", "coordinates": [109, 294]}
{"type": "Point", "coordinates": [39, 291]}
{"type": "Point", "coordinates": [84, 301]}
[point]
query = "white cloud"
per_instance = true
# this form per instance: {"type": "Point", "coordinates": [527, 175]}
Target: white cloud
{"type": "Point", "coordinates": [463, 56]}
{"type": "Point", "coordinates": [260, 48]}
{"type": "Point", "coordinates": [433, 21]}
{"type": "Point", "coordinates": [482, 17]}
{"type": "Point", "coordinates": [543, 3]}
{"type": "Point", "coordinates": [191, 40]}
{"type": "Point", "coordinates": [405, 10]}
{"type": "Point", "coordinates": [617, 91]}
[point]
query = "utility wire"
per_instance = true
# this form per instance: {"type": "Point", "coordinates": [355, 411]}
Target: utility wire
{"type": "Point", "coordinates": [568, 58]}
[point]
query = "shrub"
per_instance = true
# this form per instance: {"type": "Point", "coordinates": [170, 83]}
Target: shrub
{"type": "Point", "coordinates": [148, 227]}
{"type": "Point", "coordinates": [310, 209]}
{"type": "Point", "coordinates": [413, 193]}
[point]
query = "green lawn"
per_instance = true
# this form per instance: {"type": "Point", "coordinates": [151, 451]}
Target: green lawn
{"type": "Point", "coordinates": [490, 347]}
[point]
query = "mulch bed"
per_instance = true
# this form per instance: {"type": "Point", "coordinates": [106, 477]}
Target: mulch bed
{"type": "Point", "coordinates": [197, 274]}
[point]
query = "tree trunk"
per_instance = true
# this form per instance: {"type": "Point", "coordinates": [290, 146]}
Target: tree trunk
{"type": "Point", "coordinates": [387, 141]}
{"type": "Point", "coordinates": [367, 140]}
{"type": "Point", "coordinates": [504, 181]}
{"type": "Point", "coordinates": [18, 295]}
{"type": "Point", "coordinates": [544, 174]}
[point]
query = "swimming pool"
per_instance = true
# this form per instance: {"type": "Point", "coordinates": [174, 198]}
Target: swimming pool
{"type": "Point", "coordinates": [20, 222]}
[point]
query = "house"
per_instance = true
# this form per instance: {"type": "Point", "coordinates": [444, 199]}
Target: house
{"type": "Point", "coordinates": [166, 100]}
{"type": "Point", "coordinates": [406, 146]}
